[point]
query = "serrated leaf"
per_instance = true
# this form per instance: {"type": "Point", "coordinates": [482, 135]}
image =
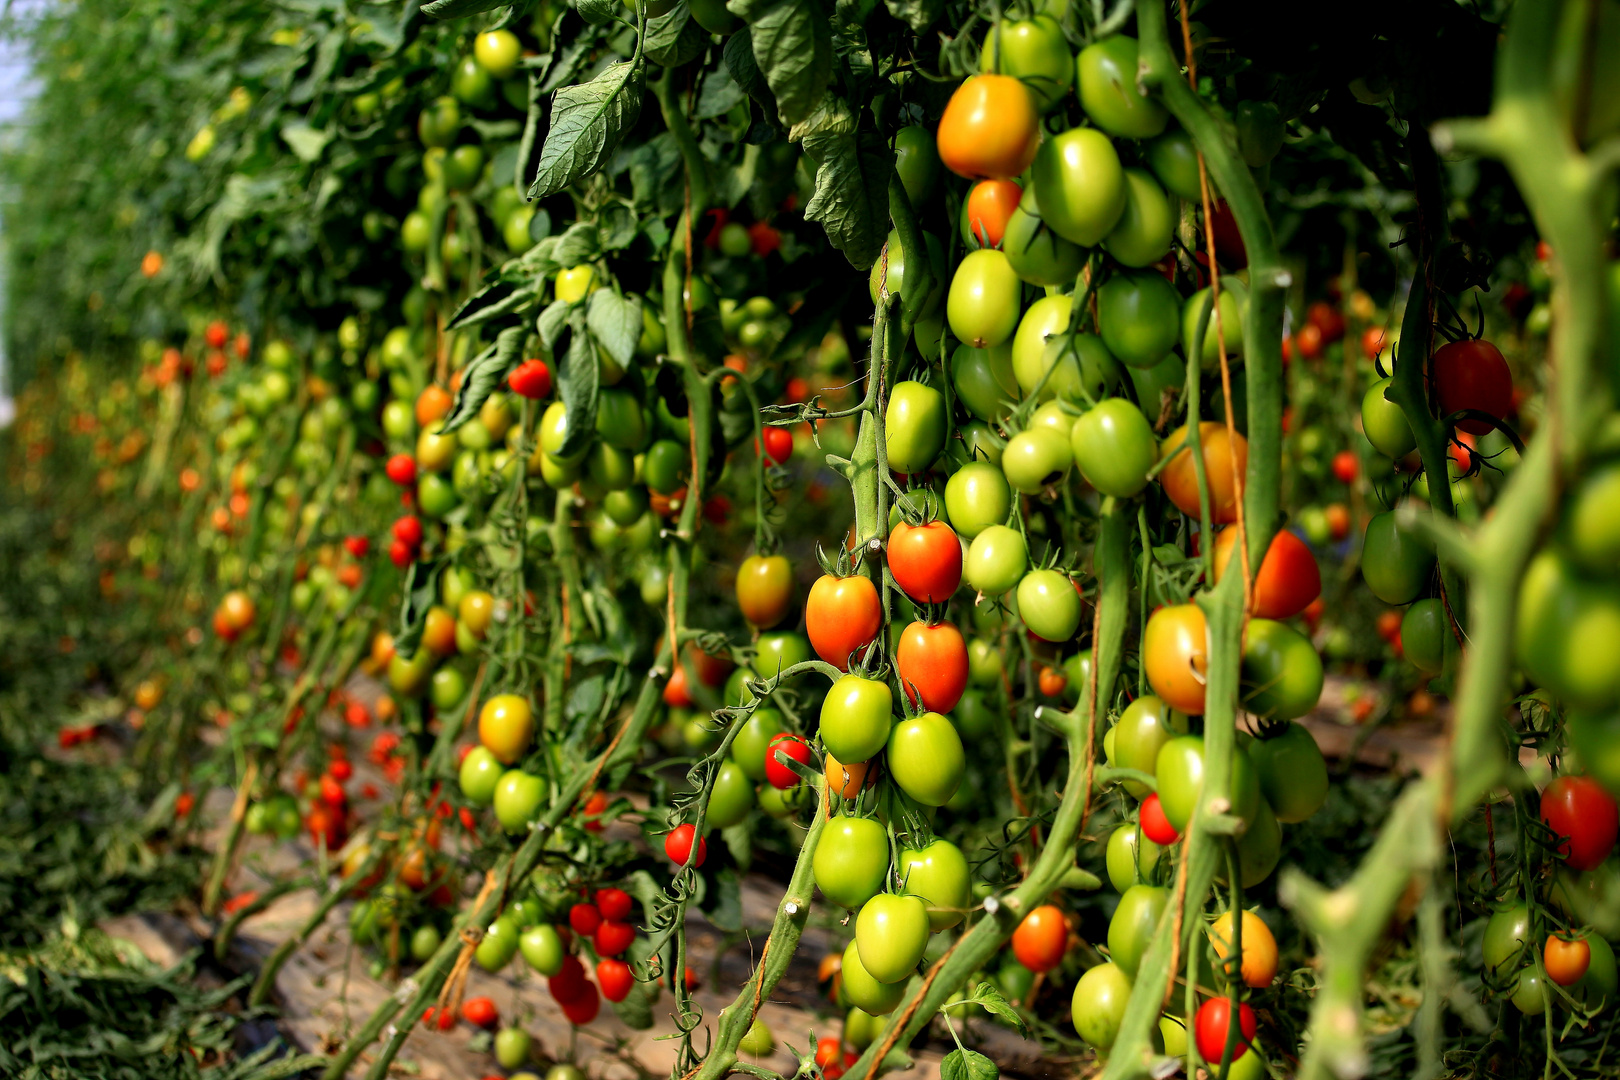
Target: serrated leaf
{"type": "Point", "coordinates": [967, 1065]}
{"type": "Point", "coordinates": [615, 323]}
{"type": "Point", "coordinates": [739, 57]}
{"type": "Point", "coordinates": [853, 167]}
{"type": "Point", "coordinates": [483, 375]}
{"type": "Point", "coordinates": [552, 322]}
{"type": "Point", "coordinates": [792, 45]}
{"type": "Point", "coordinates": [587, 121]}
{"type": "Point", "coordinates": [577, 383]}
{"type": "Point", "coordinates": [494, 300]}
{"type": "Point", "coordinates": [917, 14]}
{"type": "Point", "coordinates": [597, 12]}
{"type": "Point", "coordinates": [988, 996]}
{"type": "Point", "coordinates": [457, 9]}
{"type": "Point", "coordinates": [420, 592]}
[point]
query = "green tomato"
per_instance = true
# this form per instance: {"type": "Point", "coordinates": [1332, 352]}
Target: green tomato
{"type": "Point", "coordinates": [462, 167]}
{"type": "Point", "coordinates": [778, 651]}
{"type": "Point", "coordinates": [1173, 157]}
{"type": "Point", "coordinates": [625, 505]}
{"type": "Point", "coordinates": [1259, 131]}
{"type": "Point", "coordinates": [1035, 52]}
{"type": "Point", "coordinates": [1530, 996]}
{"type": "Point", "coordinates": [612, 470]}
{"type": "Point", "coordinates": [856, 716]}
{"type": "Point", "coordinates": [926, 758]}
{"type": "Point", "coordinates": [1035, 459]}
{"type": "Point", "coordinates": [1082, 185]}
{"type": "Point", "coordinates": [1179, 772]}
{"type": "Point", "coordinates": [398, 420]}
{"type": "Point", "coordinates": [1049, 605]}
{"type": "Point", "coordinates": [499, 945]}
{"type": "Point", "coordinates": [996, 561]}
{"type": "Point", "coordinates": [1142, 236]}
{"type": "Point", "coordinates": [1108, 91]}
{"type": "Point", "coordinates": [1137, 317]}
{"type": "Point", "coordinates": [1426, 636]}
{"type": "Point", "coordinates": [1293, 775]}
{"type": "Point", "coordinates": [515, 232]}
{"type": "Point", "coordinates": [1505, 936]}
{"type": "Point", "coordinates": [1079, 364]}
{"type": "Point", "coordinates": [1601, 982]}
{"type": "Point", "coordinates": [1152, 384]}
{"type": "Point", "coordinates": [748, 748]}
{"type": "Point", "coordinates": [938, 875]}
{"type": "Point", "coordinates": [425, 941]}
{"type": "Point", "coordinates": [1595, 738]}
{"type": "Point", "coordinates": [916, 160]}
{"type": "Point", "coordinates": [757, 1041]}
{"type": "Point", "coordinates": [735, 243]}
{"type": "Point", "coordinates": [1114, 447]}
{"type": "Point", "coordinates": [480, 773]}
{"type": "Point", "coordinates": [543, 949]}
{"type": "Point", "coordinates": [914, 426]}
{"type": "Point", "coordinates": [851, 862]}
{"type": "Point", "coordinates": [435, 496]}
{"type": "Point", "coordinates": [1281, 671]}
{"type": "Point", "coordinates": [1397, 563]}
{"type": "Point", "coordinates": [982, 307]}
{"type": "Point", "coordinates": [554, 434]}
{"type": "Point", "coordinates": [860, 1028]}
{"type": "Point", "coordinates": [976, 497]}
{"type": "Point", "coordinates": [1098, 1005]}
{"type": "Point", "coordinates": [665, 466]}
{"type": "Point", "coordinates": [472, 84]}
{"type": "Point", "coordinates": [984, 663]}
{"type": "Point", "coordinates": [863, 991]}
{"type": "Point", "coordinates": [984, 380]}
{"type": "Point", "coordinates": [619, 420]}
{"type": "Point", "coordinates": [1140, 733]}
{"type": "Point", "coordinates": [439, 122]}
{"type": "Point", "coordinates": [784, 804]}
{"type": "Point", "coordinates": [1568, 631]}
{"type": "Point", "coordinates": [1591, 527]}
{"type": "Point", "coordinates": [1385, 423]}
{"type": "Point", "coordinates": [498, 51]}
{"type": "Point", "coordinates": [511, 1047]}
{"type": "Point", "coordinates": [518, 799]}
{"type": "Point", "coordinates": [1038, 254]}
{"type": "Point", "coordinates": [1259, 848]}
{"type": "Point", "coordinates": [732, 797]}
{"type": "Point", "coordinates": [1130, 856]}
{"type": "Point", "coordinates": [891, 935]}
{"type": "Point", "coordinates": [980, 443]}
{"type": "Point", "coordinates": [1234, 299]}
{"type": "Point", "coordinates": [974, 717]}
{"type": "Point", "coordinates": [1134, 922]}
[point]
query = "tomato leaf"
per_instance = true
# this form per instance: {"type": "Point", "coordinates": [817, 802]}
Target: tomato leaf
{"type": "Point", "coordinates": [917, 14]}
{"type": "Point", "coordinates": [720, 94]}
{"type": "Point", "coordinates": [491, 302]}
{"type": "Point", "coordinates": [484, 374]}
{"type": "Point", "coordinates": [579, 243]}
{"type": "Point", "coordinates": [615, 323]}
{"type": "Point", "coordinates": [577, 383]}
{"type": "Point", "coordinates": [967, 1065]}
{"type": "Point", "coordinates": [456, 9]}
{"type": "Point", "coordinates": [674, 38]}
{"type": "Point", "coordinates": [419, 592]}
{"type": "Point", "coordinates": [587, 121]}
{"type": "Point", "coordinates": [853, 167]}
{"type": "Point", "coordinates": [597, 12]}
{"type": "Point", "coordinates": [792, 46]}
{"type": "Point", "coordinates": [987, 995]}
{"type": "Point", "coordinates": [739, 57]}
{"type": "Point", "coordinates": [552, 322]}
{"type": "Point", "coordinates": [305, 141]}
{"type": "Point", "coordinates": [636, 1009]}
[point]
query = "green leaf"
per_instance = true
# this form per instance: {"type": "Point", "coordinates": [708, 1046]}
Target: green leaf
{"type": "Point", "coordinates": [917, 14]}
{"type": "Point", "coordinates": [988, 996]}
{"type": "Point", "coordinates": [494, 300]}
{"type": "Point", "coordinates": [587, 121]}
{"type": "Point", "coordinates": [853, 167]}
{"type": "Point", "coordinates": [420, 591]}
{"type": "Point", "coordinates": [636, 1009]}
{"type": "Point", "coordinates": [967, 1065]}
{"type": "Point", "coordinates": [615, 323]}
{"type": "Point", "coordinates": [597, 12]}
{"type": "Point", "coordinates": [553, 321]}
{"type": "Point", "coordinates": [739, 57]}
{"type": "Point", "coordinates": [673, 38]}
{"type": "Point", "coordinates": [580, 243]}
{"type": "Point", "coordinates": [720, 94]}
{"type": "Point", "coordinates": [792, 44]}
{"type": "Point", "coordinates": [577, 383]}
{"type": "Point", "coordinates": [484, 374]}
{"type": "Point", "coordinates": [305, 141]}
{"type": "Point", "coordinates": [457, 9]}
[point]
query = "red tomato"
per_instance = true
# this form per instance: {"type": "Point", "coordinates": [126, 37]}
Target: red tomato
{"type": "Point", "coordinates": [356, 715]}
{"type": "Point", "coordinates": [1041, 939]}
{"type": "Point", "coordinates": [217, 334]}
{"type": "Point", "coordinates": [1288, 578]}
{"type": "Point", "coordinates": [531, 379]}
{"type": "Point", "coordinates": [614, 904]}
{"type": "Point", "coordinates": [1338, 519]}
{"type": "Point", "coordinates": [678, 846]}
{"type": "Point", "coordinates": [1215, 1021]}
{"type": "Point", "coordinates": [401, 554]}
{"type": "Point", "coordinates": [1346, 466]}
{"type": "Point", "coordinates": [1473, 375]}
{"type": "Point", "coordinates": [1309, 341]}
{"type": "Point", "coordinates": [615, 977]}
{"type": "Point", "coordinates": [780, 775]}
{"type": "Point", "coordinates": [1052, 681]}
{"type": "Point", "coordinates": [238, 902]}
{"type": "Point", "coordinates": [926, 561]}
{"type": "Point", "coordinates": [593, 811]}
{"type": "Point", "coordinates": [764, 238]}
{"type": "Point", "coordinates": [677, 695]}
{"type": "Point", "coordinates": [569, 984]}
{"type": "Point", "coordinates": [1328, 319]}
{"type": "Point", "coordinates": [401, 469]}
{"type": "Point", "coordinates": [842, 616]}
{"type": "Point", "coordinates": [613, 938]}
{"type": "Point", "coordinates": [932, 662]}
{"type": "Point", "coordinates": [433, 1018]}
{"type": "Point", "coordinates": [1389, 625]}
{"type": "Point", "coordinates": [1372, 342]}
{"type": "Point", "coordinates": [357, 545]}
{"type": "Point", "coordinates": [829, 1051]}
{"type": "Point", "coordinates": [584, 918]}
{"type": "Point", "coordinates": [1577, 809]}
{"type": "Point", "coordinates": [990, 206]}
{"type": "Point", "coordinates": [778, 444]}
{"type": "Point", "coordinates": [1462, 451]}
{"type": "Point", "coordinates": [583, 1009]}
{"type": "Point", "coordinates": [480, 1012]}
{"type": "Point", "coordinates": [1155, 826]}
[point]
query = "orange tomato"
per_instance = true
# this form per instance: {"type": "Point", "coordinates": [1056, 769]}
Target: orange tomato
{"type": "Point", "coordinates": [990, 206]}
{"type": "Point", "coordinates": [439, 631]}
{"type": "Point", "coordinates": [932, 663]}
{"type": "Point", "coordinates": [1180, 477]}
{"type": "Point", "coordinates": [433, 403]}
{"type": "Point", "coordinates": [1288, 578]}
{"type": "Point", "coordinates": [842, 616]}
{"type": "Point", "coordinates": [1566, 960]}
{"type": "Point", "coordinates": [1052, 681]}
{"type": "Point", "coordinates": [846, 781]}
{"type": "Point", "coordinates": [764, 589]}
{"type": "Point", "coordinates": [990, 129]}
{"type": "Point", "coordinates": [1175, 650]}
{"type": "Point", "coordinates": [1041, 939]}
{"type": "Point", "coordinates": [1259, 964]}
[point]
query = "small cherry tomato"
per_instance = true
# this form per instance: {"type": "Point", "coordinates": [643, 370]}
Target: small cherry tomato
{"type": "Point", "coordinates": [790, 746]}
{"type": "Point", "coordinates": [678, 846]}
{"type": "Point", "coordinates": [1041, 939]}
{"type": "Point", "coordinates": [1155, 826]}
{"type": "Point", "coordinates": [1214, 1023]}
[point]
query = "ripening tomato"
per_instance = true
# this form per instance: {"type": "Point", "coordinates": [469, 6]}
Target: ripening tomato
{"type": "Point", "coordinates": [1214, 1024]}
{"type": "Point", "coordinates": [1041, 938]}
{"type": "Point", "coordinates": [1081, 185]}
{"type": "Point", "coordinates": [1098, 1005]}
{"type": "Point", "coordinates": [764, 589]}
{"type": "Point", "coordinates": [932, 665]}
{"type": "Point", "coordinates": [1288, 579]}
{"type": "Point", "coordinates": [506, 727]}
{"type": "Point", "coordinates": [1473, 375]}
{"type": "Point", "coordinates": [926, 561]}
{"type": "Point", "coordinates": [926, 759]}
{"type": "Point", "coordinates": [1226, 462]}
{"type": "Point", "coordinates": [1584, 817]}
{"type": "Point", "coordinates": [1035, 52]}
{"type": "Point", "coordinates": [1175, 651]}
{"type": "Point", "coordinates": [1259, 947]}
{"type": "Point", "coordinates": [678, 846]}
{"type": "Point", "coordinates": [990, 205]}
{"type": "Point", "coordinates": [842, 616]}
{"type": "Point", "coordinates": [1566, 959]}
{"type": "Point", "coordinates": [990, 128]}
